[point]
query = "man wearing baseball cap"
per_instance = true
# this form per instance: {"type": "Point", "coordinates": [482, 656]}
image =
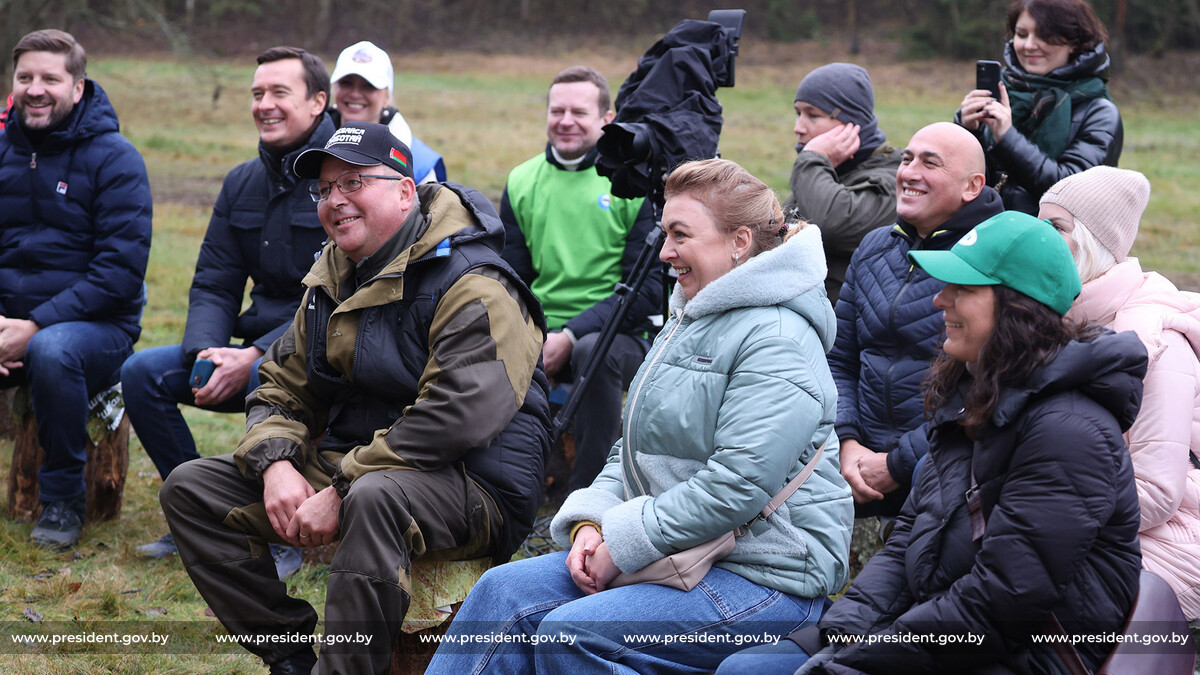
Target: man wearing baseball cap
{"type": "Point", "coordinates": [362, 92]}
{"type": "Point", "coordinates": [403, 415]}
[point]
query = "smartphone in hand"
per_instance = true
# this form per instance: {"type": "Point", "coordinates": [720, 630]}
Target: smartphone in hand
{"type": "Point", "coordinates": [201, 371]}
{"type": "Point", "coordinates": [987, 76]}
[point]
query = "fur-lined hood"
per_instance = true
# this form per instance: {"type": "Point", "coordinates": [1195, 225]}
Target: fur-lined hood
{"type": "Point", "coordinates": [792, 275]}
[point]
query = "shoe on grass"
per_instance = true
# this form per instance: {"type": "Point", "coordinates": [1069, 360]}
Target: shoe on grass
{"type": "Point", "coordinates": [59, 524]}
{"type": "Point", "coordinates": [159, 549]}
{"type": "Point", "coordinates": [287, 560]}
{"type": "Point", "coordinates": [300, 663]}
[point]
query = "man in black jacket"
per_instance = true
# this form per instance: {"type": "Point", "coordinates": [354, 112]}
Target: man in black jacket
{"type": "Point", "coordinates": [74, 239]}
{"type": "Point", "coordinates": [264, 227]}
{"type": "Point", "coordinates": [888, 327]}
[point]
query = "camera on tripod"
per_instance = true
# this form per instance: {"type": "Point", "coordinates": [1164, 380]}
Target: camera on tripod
{"type": "Point", "coordinates": [667, 110]}
{"type": "Point", "coordinates": [667, 113]}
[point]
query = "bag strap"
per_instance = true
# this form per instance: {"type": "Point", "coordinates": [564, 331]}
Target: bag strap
{"type": "Point", "coordinates": [1065, 650]}
{"type": "Point", "coordinates": [794, 484]}
{"type": "Point", "coordinates": [787, 490]}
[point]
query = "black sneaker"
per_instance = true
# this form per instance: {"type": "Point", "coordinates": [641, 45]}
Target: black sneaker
{"type": "Point", "coordinates": [301, 662]}
{"type": "Point", "coordinates": [159, 549]}
{"type": "Point", "coordinates": [59, 524]}
{"type": "Point", "coordinates": [287, 560]}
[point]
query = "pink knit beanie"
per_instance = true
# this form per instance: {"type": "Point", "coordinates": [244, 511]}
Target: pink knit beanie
{"type": "Point", "coordinates": [1108, 201]}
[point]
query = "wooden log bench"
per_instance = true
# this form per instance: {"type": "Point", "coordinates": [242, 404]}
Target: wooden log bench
{"type": "Point", "coordinates": [107, 457]}
{"type": "Point", "coordinates": [438, 589]}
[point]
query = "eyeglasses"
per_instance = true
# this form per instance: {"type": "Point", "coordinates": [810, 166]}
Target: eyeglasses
{"type": "Point", "coordinates": [346, 184]}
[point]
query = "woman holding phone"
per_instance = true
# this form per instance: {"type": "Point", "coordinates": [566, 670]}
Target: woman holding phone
{"type": "Point", "coordinates": [1054, 117]}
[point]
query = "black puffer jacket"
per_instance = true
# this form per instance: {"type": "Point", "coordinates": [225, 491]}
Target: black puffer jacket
{"type": "Point", "coordinates": [886, 334]}
{"type": "Point", "coordinates": [1095, 138]}
{"type": "Point", "coordinates": [264, 227]}
{"type": "Point", "coordinates": [75, 220]}
{"type": "Point", "coordinates": [1057, 492]}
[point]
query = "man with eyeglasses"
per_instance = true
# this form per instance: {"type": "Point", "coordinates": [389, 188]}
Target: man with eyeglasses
{"type": "Point", "coordinates": [402, 415]}
{"type": "Point", "coordinates": [264, 228]}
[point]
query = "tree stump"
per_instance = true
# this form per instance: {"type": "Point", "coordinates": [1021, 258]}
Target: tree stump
{"type": "Point", "coordinates": [411, 655]}
{"type": "Point", "coordinates": [107, 466]}
{"type": "Point", "coordinates": [8, 422]}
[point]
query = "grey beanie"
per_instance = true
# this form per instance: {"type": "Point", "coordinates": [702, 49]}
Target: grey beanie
{"type": "Point", "coordinates": [1107, 201]}
{"type": "Point", "coordinates": [841, 89]}
{"type": "Point", "coordinates": [844, 91]}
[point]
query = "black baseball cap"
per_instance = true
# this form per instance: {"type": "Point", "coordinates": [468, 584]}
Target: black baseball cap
{"type": "Point", "coordinates": [361, 144]}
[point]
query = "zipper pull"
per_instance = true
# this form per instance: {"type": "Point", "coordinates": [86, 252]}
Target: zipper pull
{"type": "Point", "coordinates": [33, 160]}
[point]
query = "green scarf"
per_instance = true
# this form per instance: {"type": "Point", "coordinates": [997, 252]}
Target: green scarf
{"type": "Point", "coordinates": [1041, 106]}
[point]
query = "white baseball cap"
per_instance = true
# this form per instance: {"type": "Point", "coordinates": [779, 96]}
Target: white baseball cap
{"type": "Point", "coordinates": [368, 62]}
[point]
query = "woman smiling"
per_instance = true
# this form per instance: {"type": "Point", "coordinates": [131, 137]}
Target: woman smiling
{"type": "Point", "coordinates": [1024, 513]}
{"type": "Point", "coordinates": [734, 399]}
{"type": "Point", "coordinates": [1054, 117]}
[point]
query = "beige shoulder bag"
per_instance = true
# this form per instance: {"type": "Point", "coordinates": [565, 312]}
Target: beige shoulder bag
{"type": "Point", "coordinates": [685, 569]}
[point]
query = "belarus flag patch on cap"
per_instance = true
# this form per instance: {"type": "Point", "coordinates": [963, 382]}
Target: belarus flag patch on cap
{"type": "Point", "coordinates": [399, 157]}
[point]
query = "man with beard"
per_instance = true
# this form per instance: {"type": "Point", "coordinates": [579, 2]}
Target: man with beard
{"type": "Point", "coordinates": [75, 216]}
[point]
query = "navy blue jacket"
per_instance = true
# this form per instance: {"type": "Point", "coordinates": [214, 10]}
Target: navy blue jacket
{"type": "Point", "coordinates": [1057, 494]}
{"type": "Point", "coordinates": [75, 220]}
{"type": "Point", "coordinates": [264, 227]}
{"type": "Point", "coordinates": [887, 333]}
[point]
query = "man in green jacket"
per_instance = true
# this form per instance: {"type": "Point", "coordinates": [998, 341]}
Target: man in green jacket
{"type": "Point", "coordinates": [572, 242]}
{"type": "Point", "coordinates": [844, 177]}
{"type": "Point", "coordinates": [402, 415]}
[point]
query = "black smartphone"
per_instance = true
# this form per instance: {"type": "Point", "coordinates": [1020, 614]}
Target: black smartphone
{"type": "Point", "coordinates": [987, 76]}
{"type": "Point", "coordinates": [201, 371]}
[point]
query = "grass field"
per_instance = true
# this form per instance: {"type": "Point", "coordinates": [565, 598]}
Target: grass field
{"type": "Point", "coordinates": [484, 113]}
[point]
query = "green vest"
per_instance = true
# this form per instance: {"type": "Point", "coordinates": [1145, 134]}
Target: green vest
{"type": "Point", "coordinates": [575, 231]}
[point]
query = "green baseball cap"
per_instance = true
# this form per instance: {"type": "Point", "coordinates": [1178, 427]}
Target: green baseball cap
{"type": "Point", "coordinates": [1011, 249]}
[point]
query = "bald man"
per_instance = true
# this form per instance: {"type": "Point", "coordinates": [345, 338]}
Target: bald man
{"type": "Point", "coordinates": [888, 328]}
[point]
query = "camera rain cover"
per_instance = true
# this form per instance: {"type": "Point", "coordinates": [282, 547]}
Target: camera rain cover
{"type": "Point", "coordinates": [667, 110]}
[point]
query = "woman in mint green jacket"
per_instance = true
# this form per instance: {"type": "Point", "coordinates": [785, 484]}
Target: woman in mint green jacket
{"type": "Point", "coordinates": [734, 398]}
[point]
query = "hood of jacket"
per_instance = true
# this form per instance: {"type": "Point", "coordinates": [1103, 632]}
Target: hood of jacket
{"type": "Point", "coordinates": [1127, 298]}
{"type": "Point", "coordinates": [92, 116]}
{"type": "Point", "coordinates": [974, 212]}
{"type": "Point", "coordinates": [791, 274]}
{"type": "Point", "coordinates": [1107, 369]}
{"type": "Point", "coordinates": [455, 215]}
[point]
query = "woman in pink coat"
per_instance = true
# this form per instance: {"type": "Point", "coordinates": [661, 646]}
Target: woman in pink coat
{"type": "Point", "coordinates": [1097, 211]}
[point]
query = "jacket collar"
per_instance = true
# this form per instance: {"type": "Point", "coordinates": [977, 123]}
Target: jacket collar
{"type": "Point", "coordinates": [588, 161]}
{"type": "Point", "coordinates": [1108, 369]}
{"type": "Point", "coordinates": [281, 170]}
{"type": "Point", "coordinates": [792, 274]}
{"type": "Point", "coordinates": [986, 205]}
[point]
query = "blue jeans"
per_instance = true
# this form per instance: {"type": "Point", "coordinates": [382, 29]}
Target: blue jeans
{"type": "Point", "coordinates": [550, 626]}
{"type": "Point", "coordinates": [65, 365]}
{"type": "Point", "coordinates": [154, 382]}
{"type": "Point", "coordinates": [782, 658]}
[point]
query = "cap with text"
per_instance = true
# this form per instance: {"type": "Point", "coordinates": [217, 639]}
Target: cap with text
{"type": "Point", "coordinates": [361, 144]}
{"type": "Point", "coordinates": [1010, 249]}
{"type": "Point", "coordinates": [368, 62]}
